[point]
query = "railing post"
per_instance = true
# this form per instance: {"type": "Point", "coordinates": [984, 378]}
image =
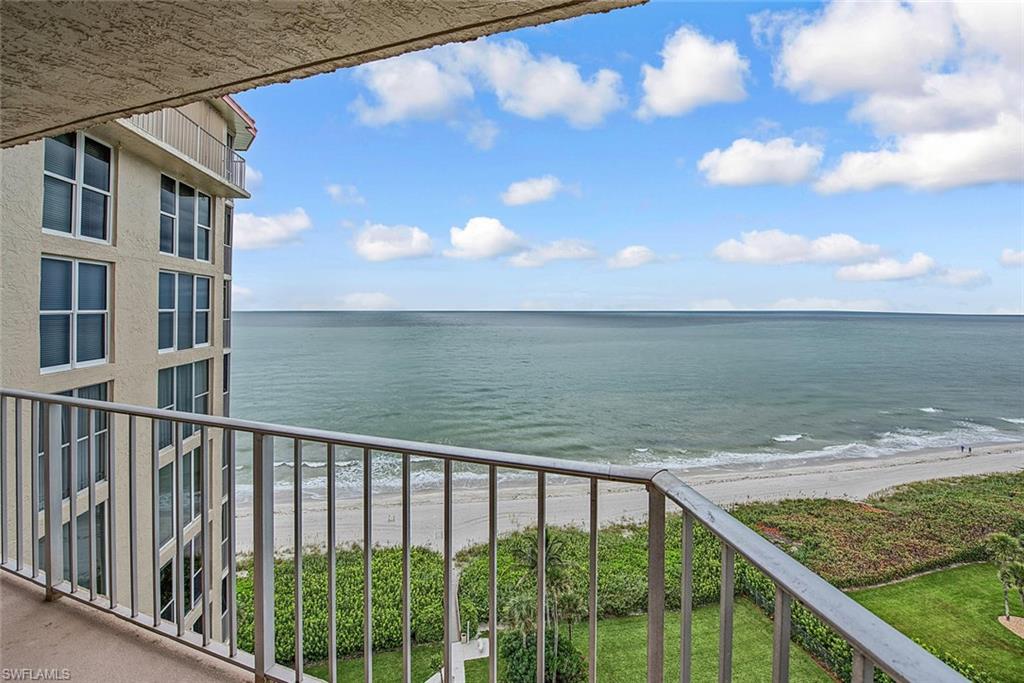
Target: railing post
{"type": "Point", "coordinates": [780, 656]}
{"type": "Point", "coordinates": [52, 465]}
{"type": "Point", "coordinates": [726, 590]}
{"type": "Point", "coordinates": [686, 602]}
{"type": "Point", "coordinates": [655, 585]}
{"type": "Point", "coordinates": [592, 597]}
{"type": "Point", "coordinates": [263, 553]}
{"type": "Point", "coordinates": [542, 580]}
{"type": "Point", "coordinates": [863, 669]}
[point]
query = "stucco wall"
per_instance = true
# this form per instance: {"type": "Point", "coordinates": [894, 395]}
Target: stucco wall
{"type": "Point", "coordinates": [133, 360]}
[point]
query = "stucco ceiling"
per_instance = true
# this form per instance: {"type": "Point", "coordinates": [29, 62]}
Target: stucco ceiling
{"type": "Point", "coordinates": [65, 65]}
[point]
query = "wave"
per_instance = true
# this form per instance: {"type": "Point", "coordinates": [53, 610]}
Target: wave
{"type": "Point", "coordinates": [1013, 420]}
{"type": "Point", "coordinates": [787, 438]}
{"type": "Point", "coordinates": [930, 410]}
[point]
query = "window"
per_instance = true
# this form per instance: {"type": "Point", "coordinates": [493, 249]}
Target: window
{"type": "Point", "coordinates": [72, 313]}
{"type": "Point", "coordinates": [99, 431]}
{"type": "Point", "coordinates": [192, 485]}
{"type": "Point", "coordinates": [166, 503]}
{"type": "Point", "coordinates": [229, 225]}
{"type": "Point", "coordinates": [192, 565]}
{"type": "Point", "coordinates": [185, 388]}
{"type": "Point", "coordinates": [225, 529]}
{"type": "Point", "coordinates": [76, 186]}
{"type": "Point", "coordinates": [167, 591]}
{"type": "Point", "coordinates": [226, 382]}
{"type": "Point", "coordinates": [183, 317]}
{"type": "Point", "coordinates": [82, 549]}
{"type": "Point", "coordinates": [186, 223]}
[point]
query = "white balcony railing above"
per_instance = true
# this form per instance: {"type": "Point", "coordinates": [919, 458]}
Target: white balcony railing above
{"type": "Point", "coordinates": [177, 130]}
{"type": "Point", "coordinates": [874, 643]}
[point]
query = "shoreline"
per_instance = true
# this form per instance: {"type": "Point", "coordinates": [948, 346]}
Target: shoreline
{"type": "Point", "coordinates": [567, 501]}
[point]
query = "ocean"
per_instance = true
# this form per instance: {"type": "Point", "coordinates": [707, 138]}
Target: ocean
{"type": "Point", "coordinates": [677, 390]}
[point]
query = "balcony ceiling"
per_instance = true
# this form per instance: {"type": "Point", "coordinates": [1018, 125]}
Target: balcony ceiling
{"type": "Point", "coordinates": [67, 65]}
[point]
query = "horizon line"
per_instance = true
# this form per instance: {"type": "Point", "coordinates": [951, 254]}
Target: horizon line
{"type": "Point", "coordinates": [618, 310]}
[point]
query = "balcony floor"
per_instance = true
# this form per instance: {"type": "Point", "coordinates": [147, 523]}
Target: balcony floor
{"type": "Point", "coordinates": [91, 645]}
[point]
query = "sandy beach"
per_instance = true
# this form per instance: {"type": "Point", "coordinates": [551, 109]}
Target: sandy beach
{"type": "Point", "coordinates": [568, 501]}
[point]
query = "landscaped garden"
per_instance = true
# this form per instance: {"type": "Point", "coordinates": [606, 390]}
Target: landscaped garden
{"type": "Point", "coordinates": [914, 528]}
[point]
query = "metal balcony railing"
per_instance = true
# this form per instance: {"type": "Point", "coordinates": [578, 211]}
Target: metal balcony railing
{"type": "Point", "coordinates": [174, 128]}
{"type": "Point", "coordinates": [874, 643]}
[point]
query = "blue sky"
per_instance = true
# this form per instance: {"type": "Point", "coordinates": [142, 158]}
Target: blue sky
{"type": "Point", "coordinates": [881, 179]}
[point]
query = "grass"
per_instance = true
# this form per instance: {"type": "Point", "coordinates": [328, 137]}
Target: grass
{"type": "Point", "coordinates": [908, 529]}
{"type": "Point", "coordinates": [622, 652]}
{"type": "Point", "coordinates": [954, 610]}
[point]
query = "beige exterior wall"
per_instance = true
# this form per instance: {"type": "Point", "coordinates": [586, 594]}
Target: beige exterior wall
{"type": "Point", "coordinates": [134, 262]}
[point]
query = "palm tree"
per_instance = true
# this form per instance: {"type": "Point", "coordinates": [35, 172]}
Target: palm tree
{"type": "Point", "coordinates": [1005, 551]}
{"type": "Point", "coordinates": [557, 578]}
{"type": "Point", "coordinates": [520, 613]}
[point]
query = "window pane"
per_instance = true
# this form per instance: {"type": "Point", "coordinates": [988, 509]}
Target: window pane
{"type": "Point", "coordinates": [187, 569]}
{"type": "Point", "coordinates": [186, 492]}
{"type": "Point", "coordinates": [226, 386]}
{"type": "Point", "coordinates": [228, 225]}
{"type": "Point", "coordinates": [202, 376]}
{"type": "Point", "coordinates": [165, 400]}
{"type": "Point", "coordinates": [167, 194]}
{"type": "Point", "coordinates": [166, 331]}
{"type": "Point", "coordinates": [183, 391]}
{"type": "Point", "coordinates": [94, 214]}
{"type": "Point", "coordinates": [166, 291]}
{"type": "Point", "coordinates": [166, 234]}
{"type": "Point", "coordinates": [202, 292]}
{"type": "Point", "coordinates": [184, 311]}
{"type": "Point", "coordinates": [166, 502]}
{"type": "Point", "coordinates": [167, 591]}
{"type": "Point", "coordinates": [55, 285]}
{"type": "Point", "coordinates": [92, 287]}
{"type": "Point", "coordinates": [203, 244]}
{"type": "Point", "coordinates": [186, 220]}
{"type": "Point", "coordinates": [202, 328]}
{"type": "Point", "coordinates": [54, 340]}
{"type": "Point", "coordinates": [59, 155]}
{"type": "Point", "coordinates": [58, 199]}
{"type": "Point", "coordinates": [203, 209]}
{"type": "Point", "coordinates": [97, 165]}
{"type": "Point", "coordinates": [90, 337]}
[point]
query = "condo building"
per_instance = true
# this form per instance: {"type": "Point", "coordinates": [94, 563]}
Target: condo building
{"type": "Point", "coordinates": [115, 255]}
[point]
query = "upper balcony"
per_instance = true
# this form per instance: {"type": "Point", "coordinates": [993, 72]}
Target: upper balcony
{"type": "Point", "coordinates": [177, 133]}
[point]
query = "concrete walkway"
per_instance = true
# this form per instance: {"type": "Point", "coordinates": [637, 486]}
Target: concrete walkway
{"type": "Point", "coordinates": [461, 653]}
{"type": "Point", "coordinates": [86, 645]}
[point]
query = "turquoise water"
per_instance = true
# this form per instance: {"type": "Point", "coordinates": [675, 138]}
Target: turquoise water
{"type": "Point", "coordinates": [671, 389]}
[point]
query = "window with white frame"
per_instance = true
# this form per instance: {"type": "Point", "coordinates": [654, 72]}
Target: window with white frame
{"type": "Point", "coordinates": [183, 318]}
{"type": "Point", "coordinates": [98, 432]}
{"type": "Point", "coordinates": [229, 224]}
{"type": "Point", "coordinates": [73, 313]}
{"type": "Point", "coordinates": [192, 565]}
{"type": "Point", "coordinates": [191, 485]}
{"type": "Point", "coordinates": [167, 611]}
{"type": "Point", "coordinates": [186, 220]}
{"type": "Point", "coordinates": [76, 186]}
{"type": "Point", "coordinates": [185, 388]}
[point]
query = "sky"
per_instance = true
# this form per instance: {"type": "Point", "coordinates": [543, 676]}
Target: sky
{"type": "Point", "coordinates": [674, 156]}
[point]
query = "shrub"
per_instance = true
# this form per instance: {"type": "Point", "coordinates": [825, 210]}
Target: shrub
{"type": "Point", "coordinates": [519, 657]}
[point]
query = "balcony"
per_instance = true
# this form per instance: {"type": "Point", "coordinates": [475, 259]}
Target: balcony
{"type": "Point", "coordinates": [130, 591]}
{"type": "Point", "coordinates": [176, 130]}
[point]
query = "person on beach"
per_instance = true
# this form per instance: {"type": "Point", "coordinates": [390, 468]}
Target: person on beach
{"type": "Point", "coordinates": [969, 450]}
{"type": "Point", "coordinates": [961, 449]}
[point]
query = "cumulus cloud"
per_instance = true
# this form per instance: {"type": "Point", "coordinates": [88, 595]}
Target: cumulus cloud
{"type": "Point", "coordinates": [632, 256]}
{"type": "Point", "coordinates": [482, 133]}
{"type": "Point", "coordinates": [253, 177]}
{"type": "Point", "coordinates": [532, 190]}
{"type": "Point", "coordinates": [749, 162]}
{"type": "Point", "coordinates": [778, 247]}
{"type": "Point", "coordinates": [940, 83]}
{"type": "Point", "coordinates": [367, 301]}
{"type": "Point", "coordinates": [815, 303]}
{"type": "Point", "coordinates": [481, 238]}
{"type": "Point", "coordinates": [917, 266]}
{"type": "Point", "coordinates": [966, 278]}
{"type": "Point", "coordinates": [433, 84]}
{"type": "Point", "coordinates": [376, 242]}
{"type": "Point", "coordinates": [344, 194]}
{"type": "Point", "coordinates": [559, 250]}
{"type": "Point", "coordinates": [240, 292]}
{"type": "Point", "coordinates": [262, 232]}
{"type": "Point", "coordinates": [936, 161]}
{"type": "Point", "coordinates": [695, 71]}
{"type": "Point", "coordinates": [1012, 258]}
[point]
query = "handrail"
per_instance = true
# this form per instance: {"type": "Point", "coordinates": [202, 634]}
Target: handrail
{"type": "Point", "coordinates": [874, 642]}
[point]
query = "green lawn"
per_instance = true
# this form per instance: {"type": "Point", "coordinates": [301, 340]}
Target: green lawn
{"type": "Point", "coordinates": [954, 610]}
{"type": "Point", "coordinates": [622, 651]}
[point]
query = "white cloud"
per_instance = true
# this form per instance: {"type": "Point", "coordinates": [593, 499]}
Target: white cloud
{"type": "Point", "coordinates": [632, 256]}
{"type": "Point", "coordinates": [857, 46]}
{"type": "Point", "coordinates": [412, 86]}
{"type": "Point", "coordinates": [824, 304]}
{"type": "Point", "coordinates": [239, 292]}
{"type": "Point", "coordinates": [966, 278]}
{"type": "Point", "coordinates": [695, 71]}
{"type": "Point", "coordinates": [482, 133]}
{"type": "Point", "coordinates": [919, 265]}
{"type": "Point", "coordinates": [433, 84]}
{"type": "Point", "coordinates": [253, 177]}
{"type": "Point", "coordinates": [749, 162]}
{"type": "Point", "coordinates": [482, 238]}
{"type": "Point", "coordinates": [777, 247]}
{"type": "Point", "coordinates": [712, 305]}
{"type": "Point", "coordinates": [936, 161]}
{"type": "Point", "coordinates": [532, 190]}
{"type": "Point", "coordinates": [367, 301]}
{"type": "Point", "coordinates": [376, 242]}
{"type": "Point", "coordinates": [559, 250]}
{"type": "Point", "coordinates": [345, 194]}
{"type": "Point", "coordinates": [261, 232]}
{"type": "Point", "coordinates": [1012, 258]}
